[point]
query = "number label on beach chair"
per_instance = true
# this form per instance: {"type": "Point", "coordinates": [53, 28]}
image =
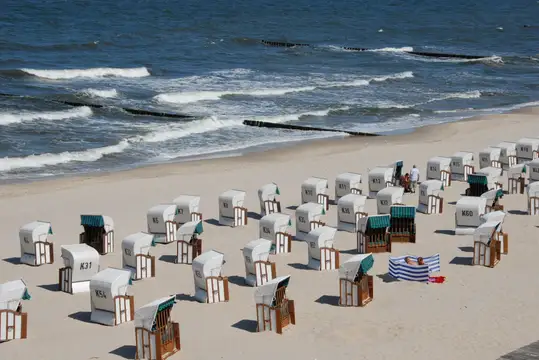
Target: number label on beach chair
{"type": "Point", "coordinates": [301, 219]}
{"type": "Point", "coordinates": [467, 213]}
{"type": "Point", "coordinates": [376, 181]}
{"type": "Point", "coordinates": [308, 192]}
{"type": "Point", "coordinates": [345, 210]}
{"type": "Point", "coordinates": [266, 230]}
{"type": "Point", "coordinates": [343, 186]}
{"type": "Point", "coordinates": [384, 202]}
{"type": "Point", "coordinates": [85, 265]}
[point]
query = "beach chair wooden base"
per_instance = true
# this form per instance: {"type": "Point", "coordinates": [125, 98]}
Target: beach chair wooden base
{"type": "Point", "coordinates": [329, 260]}
{"type": "Point", "coordinates": [13, 325]}
{"type": "Point", "coordinates": [356, 293]}
{"type": "Point", "coordinates": [402, 238]}
{"type": "Point", "coordinates": [65, 276]}
{"type": "Point", "coordinates": [496, 164]}
{"type": "Point", "coordinates": [217, 289]}
{"type": "Point", "coordinates": [196, 216]}
{"type": "Point", "coordinates": [445, 178]}
{"type": "Point", "coordinates": [468, 170]}
{"type": "Point", "coordinates": [124, 309]}
{"type": "Point", "coordinates": [145, 267]}
{"type": "Point", "coordinates": [187, 251]}
{"type": "Point", "coordinates": [283, 243]}
{"type": "Point", "coordinates": [516, 186]}
{"type": "Point", "coordinates": [511, 161]}
{"type": "Point", "coordinates": [435, 204]}
{"type": "Point", "coordinates": [402, 230]}
{"type": "Point", "coordinates": [264, 272]}
{"type": "Point", "coordinates": [43, 254]}
{"type": "Point", "coordinates": [272, 206]}
{"type": "Point", "coordinates": [159, 344]}
{"type": "Point", "coordinates": [317, 224]}
{"type": "Point", "coordinates": [376, 242]}
{"type": "Point", "coordinates": [240, 216]}
{"type": "Point", "coordinates": [276, 318]}
{"type": "Point", "coordinates": [487, 255]}
{"type": "Point", "coordinates": [324, 200]}
{"type": "Point", "coordinates": [533, 205]}
{"type": "Point", "coordinates": [97, 238]}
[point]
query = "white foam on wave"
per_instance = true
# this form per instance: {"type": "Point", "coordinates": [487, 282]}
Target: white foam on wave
{"type": "Point", "coordinates": [474, 94]}
{"type": "Point", "coordinates": [13, 118]}
{"type": "Point", "coordinates": [185, 97]}
{"type": "Point", "coordinates": [213, 123]}
{"type": "Point", "coordinates": [453, 111]}
{"type": "Point", "coordinates": [89, 73]}
{"type": "Point", "coordinates": [194, 96]}
{"type": "Point", "coordinates": [402, 75]}
{"type": "Point", "coordinates": [102, 93]}
{"type": "Point", "coordinates": [177, 131]}
{"type": "Point", "coordinates": [48, 159]}
{"type": "Point", "coordinates": [298, 116]}
{"type": "Point", "coordinates": [494, 59]}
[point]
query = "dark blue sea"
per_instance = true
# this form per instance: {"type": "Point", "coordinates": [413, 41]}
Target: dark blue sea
{"type": "Point", "coordinates": [205, 59]}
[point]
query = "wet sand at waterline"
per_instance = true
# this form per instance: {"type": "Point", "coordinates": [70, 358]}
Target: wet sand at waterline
{"type": "Point", "coordinates": [479, 313]}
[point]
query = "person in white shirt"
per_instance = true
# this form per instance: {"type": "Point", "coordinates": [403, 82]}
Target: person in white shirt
{"type": "Point", "coordinates": [414, 177]}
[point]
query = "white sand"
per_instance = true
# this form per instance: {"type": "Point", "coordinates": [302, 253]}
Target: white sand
{"type": "Point", "coordinates": [479, 313]}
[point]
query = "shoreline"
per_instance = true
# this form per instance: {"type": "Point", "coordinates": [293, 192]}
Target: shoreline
{"type": "Point", "coordinates": [488, 312]}
{"type": "Point", "coordinates": [249, 151]}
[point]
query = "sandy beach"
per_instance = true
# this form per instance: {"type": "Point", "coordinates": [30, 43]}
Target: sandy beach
{"type": "Point", "coordinates": [479, 313]}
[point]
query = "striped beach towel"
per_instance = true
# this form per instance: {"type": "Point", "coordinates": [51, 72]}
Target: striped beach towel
{"type": "Point", "coordinates": [399, 269]}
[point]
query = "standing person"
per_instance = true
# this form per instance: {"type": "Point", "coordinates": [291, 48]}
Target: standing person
{"type": "Point", "coordinates": [414, 177]}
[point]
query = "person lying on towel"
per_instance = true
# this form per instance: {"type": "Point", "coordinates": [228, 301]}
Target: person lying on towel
{"type": "Point", "coordinates": [419, 261]}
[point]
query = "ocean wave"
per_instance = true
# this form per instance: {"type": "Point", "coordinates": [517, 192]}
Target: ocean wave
{"type": "Point", "coordinates": [298, 116]}
{"type": "Point", "coordinates": [213, 95]}
{"type": "Point", "coordinates": [102, 93]}
{"type": "Point", "coordinates": [494, 59]}
{"type": "Point", "coordinates": [89, 73]}
{"type": "Point", "coordinates": [453, 111]}
{"type": "Point", "coordinates": [194, 96]}
{"type": "Point", "coordinates": [213, 123]}
{"type": "Point", "coordinates": [48, 159]}
{"type": "Point", "coordinates": [13, 118]}
{"type": "Point", "coordinates": [474, 94]}
{"type": "Point", "coordinates": [171, 132]}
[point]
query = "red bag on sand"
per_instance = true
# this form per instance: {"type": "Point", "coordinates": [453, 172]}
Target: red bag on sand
{"type": "Point", "coordinates": [437, 279]}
